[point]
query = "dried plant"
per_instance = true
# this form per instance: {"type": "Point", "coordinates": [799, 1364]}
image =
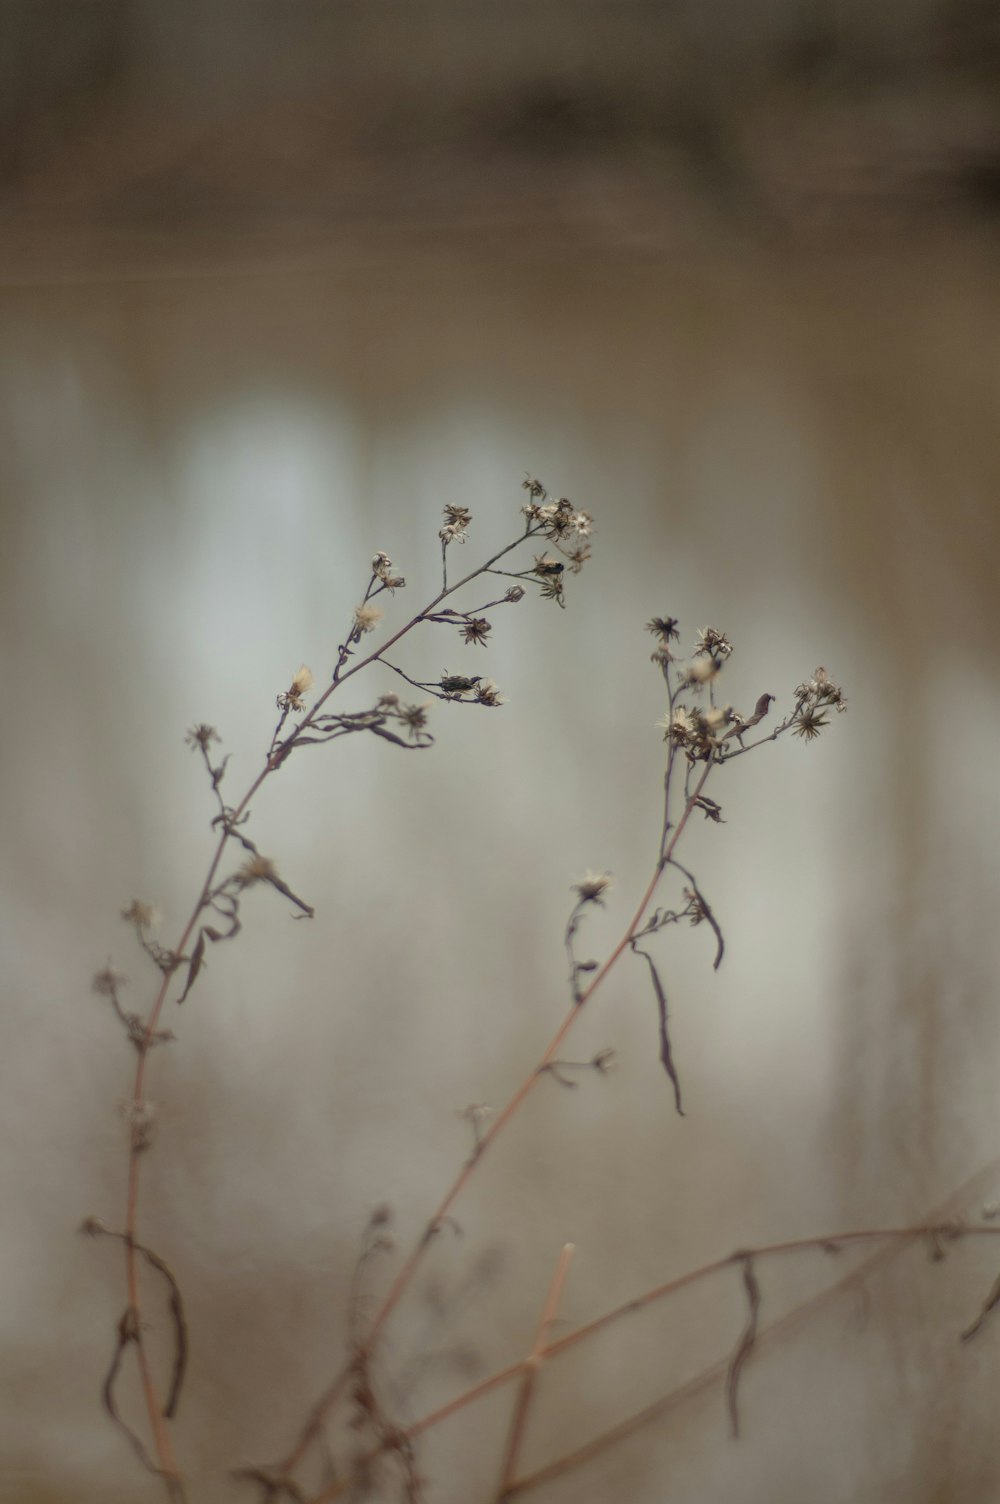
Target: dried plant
{"type": "Point", "coordinates": [701, 733]}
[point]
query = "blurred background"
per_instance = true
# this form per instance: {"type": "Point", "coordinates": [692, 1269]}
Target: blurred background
{"type": "Point", "coordinates": [277, 283]}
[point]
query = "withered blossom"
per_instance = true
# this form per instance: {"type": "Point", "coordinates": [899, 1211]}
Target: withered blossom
{"type": "Point", "coordinates": [696, 911]}
{"type": "Point", "coordinates": [821, 690]}
{"type": "Point", "coordinates": [679, 727]}
{"type": "Point", "coordinates": [809, 724]}
{"type": "Point", "coordinates": [456, 524]}
{"type": "Point", "coordinates": [108, 981]}
{"type": "Point", "coordinates": [413, 717]}
{"type": "Point", "coordinates": [546, 565]}
{"type": "Point", "coordinates": [592, 887]}
{"type": "Point", "coordinates": [515, 594]}
{"type": "Point", "coordinates": [578, 557]}
{"type": "Point", "coordinates": [697, 731]}
{"type": "Point", "coordinates": [702, 671]}
{"type": "Point", "coordinates": [713, 642]}
{"type": "Point", "coordinates": [382, 569]}
{"type": "Point", "coordinates": [487, 693]}
{"type": "Point", "coordinates": [257, 869]}
{"type": "Point", "coordinates": [663, 627]}
{"type": "Point", "coordinates": [367, 617]}
{"type": "Point", "coordinates": [201, 736]}
{"type": "Point", "coordinates": [301, 683]}
{"type": "Point", "coordinates": [143, 915]}
{"type": "Point", "coordinates": [533, 486]}
{"type": "Point", "coordinates": [477, 629]}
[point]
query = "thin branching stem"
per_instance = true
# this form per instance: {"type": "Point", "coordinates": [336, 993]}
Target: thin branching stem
{"type": "Point", "coordinates": [938, 1228]}
{"type": "Point", "coordinates": [412, 1263]}
{"type": "Point", "coordinates": [277, 753]}
{"type": "Point", "coordinates": [529, 1378]}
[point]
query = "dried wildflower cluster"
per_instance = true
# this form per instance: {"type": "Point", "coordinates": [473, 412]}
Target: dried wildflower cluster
{"type": "Point", "coordinates": [217, 915]}
{"type": "Point", "coordinates": [812, 700]}
{"type": "Point", "coordinates": [701, 733]}
{"type": "Point", "coordinates": [707, 732]}
{"type": "Point", "coordinates": [556, 519]}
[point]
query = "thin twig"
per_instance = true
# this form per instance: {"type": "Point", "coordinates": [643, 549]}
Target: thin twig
{"type": "Point", "coordinates": [277, 754]}
{"type": "Point", "coordinates": [745, 1345]}
{"type": "Point", "coordinates": [529, 1379]}
{"type": "Point", "coordinates": [411, 1264]}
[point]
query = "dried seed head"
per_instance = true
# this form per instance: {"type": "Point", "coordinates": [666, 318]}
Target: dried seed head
{"type": "Point", "coordinates": [713, 642]}
{"type": "Point", "coordinates": [809, 725]}
{"type": "Point", "coordinates": [663, 627]}
{"type": "Point", "coordinates": [592, 887]}
{"type": "Point", "coordinates": [413, 717]}
{"type": "Point", "coordinates": [695, 908]}
{"type": "Point", "coordinates": [476, 630]}
{"type": "Point", "coordinates": [108, 981]}
{"type": "Point", "coordinates": [143, 915]}
{"type": "Point", "coordinates": [515, 593]}
{"type": "Point", "coordinates": [382, 570]}
{"type": "Point", "coordinates": [456, 524]}
{"type": "Point", "coordinates": [201, 736]}
{"type": "Point", "coordinates": [302, 682]}
{"type": "Point", "coordinates": [258, 869]}
{"type": "Point", "coordinates": [366, 617]}
{"type": "Point", "coordinates": [702, 671]}
{"type": "Point", "coordinates": [487, 693]}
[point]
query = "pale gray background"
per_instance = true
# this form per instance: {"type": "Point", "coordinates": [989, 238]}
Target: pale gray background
{"type": "Point", "coordinates": [278, 283]}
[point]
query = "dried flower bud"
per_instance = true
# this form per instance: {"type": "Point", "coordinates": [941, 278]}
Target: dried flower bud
{"type": "Point", "coordinates": [143, 915]}
{"type": "Point", "coordinates": [413, 717]}
{"type": "Point", "coordinates": [457, 684]}
{"type": "Point", "coordinates": [515, 593]}
{"type": "Point", "coordinates": [201, 736]}
{"type": "Point", "coordinates": [592, 887]}
{"type": "Point", "coordinates": [108, 981]}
